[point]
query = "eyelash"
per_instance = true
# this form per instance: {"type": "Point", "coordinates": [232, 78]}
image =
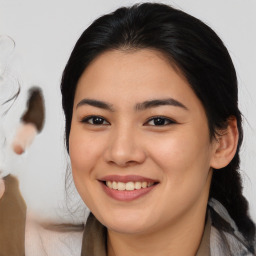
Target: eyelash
{"type": "Point", "coordinates": [161, 118]}
{"type": "Point", "coordinates": [167, 121]}
{"type": "Point", "coordinates": [88, 118]}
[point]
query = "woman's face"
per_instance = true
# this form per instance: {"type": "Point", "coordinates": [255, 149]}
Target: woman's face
{"type": "Point", "coordinates": [139, 143]}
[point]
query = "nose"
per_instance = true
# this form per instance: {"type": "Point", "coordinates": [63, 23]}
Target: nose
{"type": "Point", "coordinates": [125, 148]}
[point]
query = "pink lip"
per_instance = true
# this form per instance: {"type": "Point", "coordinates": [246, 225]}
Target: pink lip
{"type": "Point", "coordinates": [126, 178]}
{"type": "Point", "coordinates": [125, 195]}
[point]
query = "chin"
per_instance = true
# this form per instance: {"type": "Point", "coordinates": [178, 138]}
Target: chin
{"type": "Point", "coordinates": [127, 228]}
{"type": "Point", "coordinates": [129, 223]}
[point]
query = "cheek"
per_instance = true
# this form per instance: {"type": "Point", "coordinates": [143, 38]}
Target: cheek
{"type": "Point", "coordinates": [182, 154]}
{"type": "Point", "coordinates": [85, 150]}
{"type": "Point", "coordinates": [183, 160]}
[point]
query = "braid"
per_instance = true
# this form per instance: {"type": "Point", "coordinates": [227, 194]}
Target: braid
{"type": "Point", "coordinates": [226, 187]}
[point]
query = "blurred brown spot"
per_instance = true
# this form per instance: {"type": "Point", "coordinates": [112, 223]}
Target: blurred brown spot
{"type": "Point", "coordinates": [35, 113]}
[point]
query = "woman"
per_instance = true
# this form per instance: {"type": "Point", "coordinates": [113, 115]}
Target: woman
{"type": "Point", "coordinates": [153, 131]}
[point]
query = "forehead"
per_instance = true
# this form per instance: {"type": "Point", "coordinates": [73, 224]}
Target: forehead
{"type": "Point", "coordinates": [133, 75]}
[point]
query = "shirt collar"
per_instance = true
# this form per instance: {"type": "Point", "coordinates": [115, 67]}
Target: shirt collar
{"type": "Point", "coordinates": [95, 238]}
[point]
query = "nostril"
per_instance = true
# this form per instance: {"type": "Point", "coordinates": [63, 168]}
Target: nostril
{"type": "Point", "coordinates": [124, 164]}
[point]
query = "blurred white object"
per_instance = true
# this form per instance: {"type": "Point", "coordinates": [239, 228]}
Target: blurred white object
{"type": "Point", "coordinates": [7, 46]}
{"type": "Point", "coordinates": [40, 241]}
{"type": "Point", "coordinates": [24, 137]}
{"type": "Point", "coordinates": [8, 82]}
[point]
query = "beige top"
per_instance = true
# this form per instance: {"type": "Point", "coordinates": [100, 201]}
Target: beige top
{"type": "Point", "coordinates": [95, 234]}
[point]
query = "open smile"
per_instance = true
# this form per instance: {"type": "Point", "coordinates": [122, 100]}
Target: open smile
{"type": "Point", "coordinates": [129, 185]}
{"type": "Point", "coordinates": [127, 188]}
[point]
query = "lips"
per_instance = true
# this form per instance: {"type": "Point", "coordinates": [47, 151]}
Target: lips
{"type": "Point", "coordinates": [127, 188]}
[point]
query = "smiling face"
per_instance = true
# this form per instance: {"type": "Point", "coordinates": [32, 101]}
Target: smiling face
{"type": "Point", "coordinates": [139, 143]}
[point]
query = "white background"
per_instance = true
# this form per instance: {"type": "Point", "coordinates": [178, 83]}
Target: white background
{"type": "Point", "coordinates": [45, 33]}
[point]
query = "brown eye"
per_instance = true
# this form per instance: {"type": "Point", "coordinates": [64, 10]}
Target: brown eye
{"type": "Point", "coordinates": [159, 121]}
{"type": "Point", "coordinates": [95, 120]}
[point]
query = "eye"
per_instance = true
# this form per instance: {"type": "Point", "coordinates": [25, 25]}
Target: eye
{"type": "Point", "coordinates": [159, 121]}
{"type": "Point", "coordinates": [95, 120]}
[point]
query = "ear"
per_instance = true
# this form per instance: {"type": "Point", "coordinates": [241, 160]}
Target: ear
{"type": "Point", "coordinates": [225, 145]}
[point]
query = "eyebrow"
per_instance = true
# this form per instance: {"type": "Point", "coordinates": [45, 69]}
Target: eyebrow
{"type": "Point", "coordinates": [95, 103]}
{"type": "Point", "coordinates": [159, 102]}
{"type": "Point", "coordinates": [138, 107]}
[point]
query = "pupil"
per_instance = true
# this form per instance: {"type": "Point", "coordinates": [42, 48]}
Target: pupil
{"type": "Point", "coordinates": [97, 120]}
{"type": "Point", "coordinates": [159, 121]}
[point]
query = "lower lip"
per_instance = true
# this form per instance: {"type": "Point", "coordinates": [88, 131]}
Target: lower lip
{"type": "Point", "coordinates": [126, 195]}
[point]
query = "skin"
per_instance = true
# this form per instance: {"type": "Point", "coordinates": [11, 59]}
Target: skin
{"type": "Point", "coordinates": [179, 154]}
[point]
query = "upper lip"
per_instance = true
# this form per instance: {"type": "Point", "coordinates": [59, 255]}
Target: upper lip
{"type": "Point", "coordinates": [126, 178]}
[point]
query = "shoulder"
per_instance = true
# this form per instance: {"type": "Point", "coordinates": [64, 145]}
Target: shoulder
{"type": "Point", "coordinates": [225, 238]}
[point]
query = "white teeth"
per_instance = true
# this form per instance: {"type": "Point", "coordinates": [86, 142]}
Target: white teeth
{"type": "Point", "coordinates": [109, 184]}
{"type": "Point", "coordinates": [129, 185]}
{"type": "Point", "coordinates": [120, 186]}
{"type": "Point", "coordinates": [114, 184]}
{"type": "Point", "coordinates": [138, 185]}
{"type": "Point", "coordinates": [144, 184]}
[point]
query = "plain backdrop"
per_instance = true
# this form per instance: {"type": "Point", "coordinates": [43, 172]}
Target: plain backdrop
{"type": "Point", "coordinates": [45, 33]}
